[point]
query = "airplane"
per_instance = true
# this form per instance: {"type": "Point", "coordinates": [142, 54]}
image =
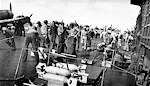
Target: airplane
{"type": "Point", "coordinates": [7, 16]}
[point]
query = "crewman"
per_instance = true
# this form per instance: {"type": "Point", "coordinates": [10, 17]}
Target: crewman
{"type": "Point", "coordinates": [83, 38]}
{"type": "Point", "coordinates": [92, 34]}
{"type": "Point", "coordinates": [108, 38]}
{"type": "Point", "coordinates": [61, 39]}
{"type": "Point", "coordinates": [44, 32]}
{"type": "Point", "coordinates": [52, 35]}
{"type": "Point", "coordinates": [8, 34]}
{"type": "Point", "coordinates": [33, 38]}
{"type": "Point", "coordinates": [88, 39]}
{"type": "Point", "coordinates": [19, 28]}
{"type": "Point", "coordinates": [39, 25]}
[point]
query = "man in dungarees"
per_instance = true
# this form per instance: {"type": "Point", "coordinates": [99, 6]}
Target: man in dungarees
{"type": "Point", "coordinates": [8, 34]}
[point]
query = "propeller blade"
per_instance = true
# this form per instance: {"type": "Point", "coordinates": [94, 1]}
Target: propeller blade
{"type": "Point", "coordinates": [31, 15]}
{"type": "Point", "coordinates": [10, 7]}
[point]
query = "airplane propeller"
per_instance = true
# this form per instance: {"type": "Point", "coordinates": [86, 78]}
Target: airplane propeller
{"type": "Point", "coordinates": [10, 6]}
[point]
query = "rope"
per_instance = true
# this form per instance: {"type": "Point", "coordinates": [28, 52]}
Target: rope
{"type": "Point", "coordinates": [6, 39]}
{"type": "Point", "coordinates": [9, 38]}
{"type": "Point", "coordinates": [18, 64]}
{"type": "Point", "coordinates": [123, 70]}
{"type": "Point", "coordinates": [105, 55]}
{"type": "Point", "coordinates": [117, 66]}
{"type": "Point", "coordinates": [16, 72]}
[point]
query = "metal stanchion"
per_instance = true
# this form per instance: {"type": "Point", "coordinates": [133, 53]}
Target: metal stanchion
{"type": "Point", "coordinates": [104, 59]}
{"type": "Point", "coordinates": [113, 60]}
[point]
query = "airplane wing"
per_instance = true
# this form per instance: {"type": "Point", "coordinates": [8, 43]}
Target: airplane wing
{"type": "Point", "coordinates": [23, 19]}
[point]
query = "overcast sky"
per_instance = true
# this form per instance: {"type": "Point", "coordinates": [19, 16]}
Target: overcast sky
{"type": "Point", "coordinates": [119, 13]}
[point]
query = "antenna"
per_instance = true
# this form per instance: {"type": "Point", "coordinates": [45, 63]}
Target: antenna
{"type": "Point", "coordinates": [10, 6]}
